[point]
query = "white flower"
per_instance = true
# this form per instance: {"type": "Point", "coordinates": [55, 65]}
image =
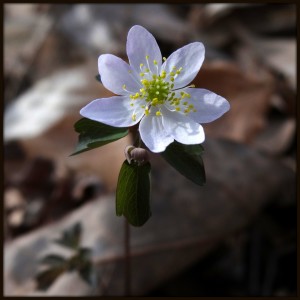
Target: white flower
{"type": "Point", "coordinates": [154, 92]}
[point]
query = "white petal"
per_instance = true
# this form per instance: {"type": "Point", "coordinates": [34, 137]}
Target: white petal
{"type": "Point", "coordinates": [140, 43]}
{"type": "Point", "coordinates": [153, 133]}
{"type": "Point", "coordinates": [182, 128]}
{"type": "Point", "coordinates": [115, 111]}
{"type": "Point", "coordinates": [114, 74]}
{"type": "Point", "coordinates": [209, 106]}
{"type": "Point", "coordinates": [190, 59]}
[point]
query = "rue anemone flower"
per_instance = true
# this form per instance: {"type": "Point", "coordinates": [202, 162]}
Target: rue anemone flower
{"type": "Point", "coordinates": [154, 91]}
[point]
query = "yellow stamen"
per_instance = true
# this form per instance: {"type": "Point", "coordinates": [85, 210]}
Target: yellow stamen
{"type": "Point", "coordinates": [154, 101]}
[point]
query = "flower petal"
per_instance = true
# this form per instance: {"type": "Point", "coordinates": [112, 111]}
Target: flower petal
{"type": "Point", "coordinates": [115, 111]}
{"type": "Point", "coordinates": [153, 133]}
{"type": "Point", "coordinates": [141, 43]}
{"type": "Point", "coordinates": [209, 106]}
{"type": "Point", "coordinates": [182, 128]}
{"type": "Point", "coordinates": [114, 74]}
{"type": "Point", "coordinates": [190, 59]}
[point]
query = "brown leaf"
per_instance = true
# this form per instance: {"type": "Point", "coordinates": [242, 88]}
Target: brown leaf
{"type": "Point", "coordinates": [249, 96]}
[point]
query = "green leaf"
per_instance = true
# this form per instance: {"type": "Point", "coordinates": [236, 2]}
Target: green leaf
{"type": "Point", "coordinates": [71, 237]}
{"type": "Point", "coordinates": [86, 272]}
{"type": "Point", "coordinates": [46, 278]}
{"type": "Point", "coordinates": [53, 260]}
{"type": "Point", "coordinates": [187, 160]}
{"type": "Point", "coordinates": [98, 78]}
{"type": "Point", "coordinates": [133, 193]}
{"type": "Point", "coordinates": [94, 134]}
{"type": "Point", "coordinates": [82, 263]}
{"type": "Point", "coordinates": [85, 253]}
{"type": "Point", "coordinates": [79, 259]}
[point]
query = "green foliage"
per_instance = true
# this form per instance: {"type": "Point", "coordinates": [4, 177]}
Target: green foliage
{"type": "Point", "coordinates": [53, 260]}
{"type": "Point", "coordinates": [94, 134]}
{"type": "Point", "coordinates": [133, 193]}
{"type": "Point", "coordinates": [47, 277]}
{"type": "Point", "coordinates": [80, 261]}
{"type": "Point", "coordinates": [98, 78]}
{"type": "Point", "coordinates": [187, 160]}
{"type": "Point", "coordinates": [71, 237]}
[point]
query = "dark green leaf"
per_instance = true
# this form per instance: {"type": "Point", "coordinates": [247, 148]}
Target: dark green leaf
{"type": "Point", "coordinates": [74, 263]}
{"type": "Point", "coordinates": [85, 253]}
{"type": "Point", "coordinates": [80, 259]}
{"type": "Point", "coordinates": [192, 149]}
{"type": "Point", "coordinates": [133, 193]}
{"type": "Point", "coordinates": [187, 160]}
{"type": "Point", "coordinates": [53, 260]}
{"type": "Point", "coordinates": [47, 277]}
{"type": "Point", "coordinates": [98, 77]}
{"type": "Point", "coordinates": [71, 237]}
{"type": "Point", "coordinates": [86, 272]}
{"type": "Point", "coordinates": [82, 263]}
{"type": "Point", "coordinates": [94, 134]}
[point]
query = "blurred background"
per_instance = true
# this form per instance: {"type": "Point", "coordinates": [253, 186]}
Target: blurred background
{"type": "Point", "coordinates": [235, 236]}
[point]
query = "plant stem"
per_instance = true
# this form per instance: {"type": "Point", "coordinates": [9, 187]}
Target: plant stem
{"type": "Point", "coordinates": [127, 260]}
{"type": "Point", "coordinates": [127, 266]}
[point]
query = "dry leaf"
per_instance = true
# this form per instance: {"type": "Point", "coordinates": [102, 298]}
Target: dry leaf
{"type": "Point", "coordinates": [249, 96]}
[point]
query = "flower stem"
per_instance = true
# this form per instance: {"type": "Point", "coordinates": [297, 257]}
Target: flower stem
{"type": "Point", "coordinates": [136, 138]}
{"type": "Point", "coordinates": [127, 265]}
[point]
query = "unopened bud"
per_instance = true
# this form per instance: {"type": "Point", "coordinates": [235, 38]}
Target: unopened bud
{"type": "Point", "coordinates": [139, 155]}
{"type": "Point", "coordinates": [127, 153]}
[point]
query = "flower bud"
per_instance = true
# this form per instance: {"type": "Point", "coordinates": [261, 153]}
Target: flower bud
{"type": "Point", "coordinates": [139, 155]}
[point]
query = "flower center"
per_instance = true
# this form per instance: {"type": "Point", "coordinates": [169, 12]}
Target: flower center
{"type": "Point", "coordinates": [157, 90]}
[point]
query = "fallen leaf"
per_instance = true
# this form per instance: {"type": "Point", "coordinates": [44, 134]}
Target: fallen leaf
{"type": "Point", "coordinates": [248, 94]}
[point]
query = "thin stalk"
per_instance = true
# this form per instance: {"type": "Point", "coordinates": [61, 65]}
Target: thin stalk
{"type": "Point", "coordinates": [127, 262]}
